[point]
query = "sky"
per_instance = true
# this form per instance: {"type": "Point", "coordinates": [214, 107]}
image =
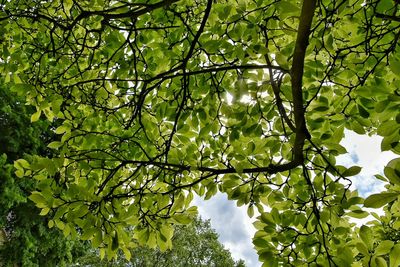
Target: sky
{"type": "Point", "coordinates": [235, 228]}
{"type": "Point", "coordinates": [365, 152]}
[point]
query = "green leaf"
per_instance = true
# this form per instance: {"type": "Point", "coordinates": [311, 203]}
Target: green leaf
{"type": "Point", "coordinates": [62, 129]}
{"type": "Point", "coordinates": [17, 79]}
{"type": "Point", "coordinates": [251, 147]}
{"type": "Point", "coordinates": [127, 254]}
{"type": "Point", "coordinates": [38, 198]}
{"type": "Point", "coordinates": [380, 177]}
{"type": "Point", "coordinates": [390, 142]}
{"type": "Point", "coordinates": [44, 211]}
{"type": "Point", "coordinates": [55, 145]}
{"type": "Point", "coordinates": [182, 218]}
{"type": "Point", "coordinates": [115, 242]}
{"type": "Point", "coordinates": [35, 116]}
{"type": "Point", "coordinates": [152, 241]}
{"type": "Point", "coordinates": [87, 233]}
{"type": "Point", "coordinates": [346, 255]}
{"type": "Point", "coordinates": [19, 173]}
{"type": "Point", "coordinates": [250, 211]}
{"type": "Point", "coordinates": [354, 170]}
{"type": "Point", "coordinates": [60, 225]}
{"type": "Point", "coordinates": [143, 236]}
{"type": "Point", "coordinates": [102, 253]}
{"type": "Point", "coordinates": [267, 218]}
{"type": "Point", "coordinates": [97, 238]}
{"type": "Point", "coordinates": [167, 231]}
{"type": "Point", "coordinates": [394, 65]}
{"type": "Point", "coordinates": [260, 242]}
{"type": "Point", "coordinates": [287, 7]}
{"type": "Point", "coordinates": [392, 174]}
{"type": "Point", "coordinates": [230, 182]}
{"type": "Point", "coordinates": [22, 163]}
{"type": "Point", "coordinates": [394, 256]}
{"type": "Point", "coordinates": [392, 171]}
{"type": "Point", "coordinates": [387, 128]}
{"type": "Point", "coordinates": [362, 248]}
{"type": "Point", "coordinates": [7, 79]}
{"type": "Point", "coordinates": [398, 118]}
{"type": "Point", "coordinates": [366, 236]}
{"type": "Point", "coordinates": [363, 112]}
{"type": "Point", "coordinates": [384, 247]}
{"type": "Point", "coordinates": [380, 262]}
{"type": "Point", "coordinates": [359, 214]}
{"type": "Point", "coordinates": [378, 200]}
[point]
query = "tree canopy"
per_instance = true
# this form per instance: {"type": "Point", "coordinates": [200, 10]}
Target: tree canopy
{"type": "Point", "coordinates": [158, 100]}
{"type": "Point", "coordinates": [25, 239]}
{"type": "Point", "coordinates": [195, 244]}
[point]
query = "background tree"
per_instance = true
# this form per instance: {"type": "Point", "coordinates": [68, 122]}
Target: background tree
{"type": "Point", "coordinates": [195, 244]}
{"type": "Point", "coordinates": [27, 241]}
{"type": "Point", "coordinates": [161, 100]}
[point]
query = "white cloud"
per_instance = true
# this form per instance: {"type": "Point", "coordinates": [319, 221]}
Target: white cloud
{"type": "Point", "coordinates": [365, 152]}
{"type": "Point", "coordinates": [234, 227]}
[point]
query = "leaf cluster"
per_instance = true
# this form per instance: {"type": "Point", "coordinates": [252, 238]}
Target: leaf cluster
{"type": "Point", "coordinates": [156, 101]}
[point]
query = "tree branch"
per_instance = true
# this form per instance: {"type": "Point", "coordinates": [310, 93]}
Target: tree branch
{"type": "Point", "coordinates": [223, 68]}
{"type": "Point", "coordinates": [132, 13]}
{"type": "Point", "coordinates": [198, 33]}
{"type": "Point", "coordinates": [85, 14]}
{"type": "Point", "coordinates": [271, 169]}
{"type": "Point", "coordinates": [129, 14]}
{"type": "Point", "coordinates": [304, 30]}
{"type": "Point", "coordinates": [388, 17]}
{"type": "Point", "coordinates": [276, 89]}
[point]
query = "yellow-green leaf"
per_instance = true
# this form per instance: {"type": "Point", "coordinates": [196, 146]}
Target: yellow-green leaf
{"type": "Point", "coordinates": [394, 256]}
{"type": "Point", "coordinates": [354, 170]}
{"type": "Point", "coordinates": [55, 145]}
{"type": "Point", "coordinates": [380, 199]}
{"type": "Point", "coordinates": [35, 116]}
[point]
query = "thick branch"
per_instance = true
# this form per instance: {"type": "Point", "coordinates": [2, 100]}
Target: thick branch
{"type": "Point", "coordinates": [303, 32]}
{"type": "Point", "coordinates": [85, 14]}
{"type": "Point", "coordinates": [217, 69]}
{"type": "Point", "coordinates": [271, 169]}
{"type": "Point", "coordinates": [206, 172]}
{"type": "Point", "coordinates": [133, 13]}
{"type": "Point", "coordinates": [129, 14]}
{"type": "Point", "coordinates": [199, 32]}
{"type": "Point", "coordinates": [388, 17]}
{"type": "Point", "coordinates": [168, 75]}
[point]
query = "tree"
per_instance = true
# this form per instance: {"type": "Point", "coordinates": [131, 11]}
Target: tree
{"type": "Point", "coordinates": [160, 100]}
{"type": "Point", "coordinates": [195, 244]}
{"type": "Point", "coordinates": [26, 239]}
